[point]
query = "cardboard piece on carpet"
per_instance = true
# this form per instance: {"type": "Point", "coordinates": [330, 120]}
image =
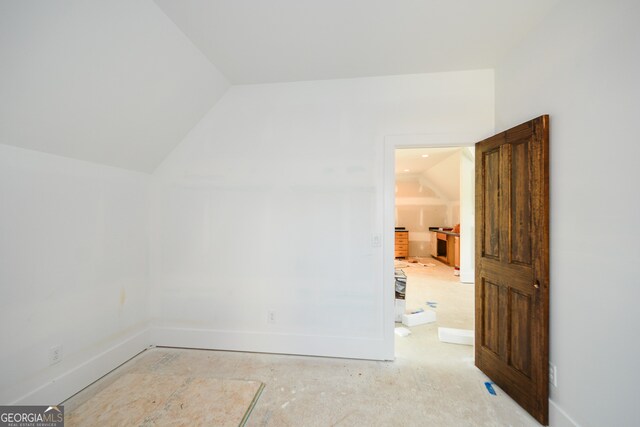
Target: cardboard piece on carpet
{"type": "Point", "coordinates": [145, 399]}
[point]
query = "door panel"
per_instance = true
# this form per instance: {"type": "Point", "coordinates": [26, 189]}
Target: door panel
{"type": "Point", "coordinates": [512, 263]}
{"type": "Point", "coordinates": [520, 332]}
{"type": "Point", "coordinates": [520, 206]}
{"type": "Point", "coordinates": [491, 196]}
{"type": "Point", "coordinates": [491, 316]}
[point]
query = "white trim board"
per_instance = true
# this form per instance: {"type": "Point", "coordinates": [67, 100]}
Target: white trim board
{"type": "Point", "coordinates": [558, 417]}
{"type": "Point", "coordinates": [262, 342]}
{"type": "Point", "coordinates": [62, 387]}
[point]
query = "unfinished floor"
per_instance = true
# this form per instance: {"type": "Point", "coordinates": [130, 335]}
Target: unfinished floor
{"type": "Point", "coordinates": [429, 383]}
{"type": "Point", "coordinates": [431, 280]}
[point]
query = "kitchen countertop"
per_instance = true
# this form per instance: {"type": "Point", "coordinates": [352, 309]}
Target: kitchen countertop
{"type": "Point", "coordinates": [450, 233]}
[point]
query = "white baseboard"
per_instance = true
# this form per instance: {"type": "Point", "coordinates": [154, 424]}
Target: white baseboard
{"type": "Point", "coordinates": [467, 276]}
{"type": "Point", "coordinates": [259, 342]}
{"type": "Point", "coordinates": [558, 417]}
{"type": "Point", "coordinates": [75, 379]}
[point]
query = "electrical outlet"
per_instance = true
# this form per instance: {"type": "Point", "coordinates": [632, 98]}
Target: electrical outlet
{"type": "Point", "coordinates": [271, 316]}
{"type": "Point", "coordinates": [376, 241]}
{"type": "Point", "coordinates": [55, 354]}
{"type": "Point", "coordinates": [553, 375]}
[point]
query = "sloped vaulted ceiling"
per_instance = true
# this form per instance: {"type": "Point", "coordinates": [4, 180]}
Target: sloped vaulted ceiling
{"type": "Point", "coordinates": [112, 82]}
{"type": "Point", "coordinates": [255, 41]}
{"type": "Point", "coordinates": [121, 82]}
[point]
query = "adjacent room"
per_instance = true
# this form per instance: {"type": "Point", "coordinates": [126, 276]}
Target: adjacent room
{"type": "Point", "coordinates": [434, 198]}
{"type": "Point", "coordinates": [434, 307]}
{"type": "Point", "coordinates": [204, 206]}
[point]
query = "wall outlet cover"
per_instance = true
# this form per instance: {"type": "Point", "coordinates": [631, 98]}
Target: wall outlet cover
{"type": "Point", "coordinates": [55, 354]}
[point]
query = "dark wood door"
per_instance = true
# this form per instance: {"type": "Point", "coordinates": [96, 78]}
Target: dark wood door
{"type": "Point", "coordinates": [512, 263]}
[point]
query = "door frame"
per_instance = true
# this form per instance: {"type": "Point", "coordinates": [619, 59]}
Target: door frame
{"type": "Point", "coordinates": [391, 143]}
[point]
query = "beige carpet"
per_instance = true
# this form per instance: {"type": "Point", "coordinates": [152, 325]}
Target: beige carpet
{"type": "Point", "coordinates": [139, 399]}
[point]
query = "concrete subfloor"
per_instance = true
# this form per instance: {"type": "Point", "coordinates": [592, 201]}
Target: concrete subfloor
{"type": "Point", "coordinates": [429, 383]}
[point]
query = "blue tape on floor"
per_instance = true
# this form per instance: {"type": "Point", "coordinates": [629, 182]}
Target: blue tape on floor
{"type": "Point", "coordinates": [490, 388]}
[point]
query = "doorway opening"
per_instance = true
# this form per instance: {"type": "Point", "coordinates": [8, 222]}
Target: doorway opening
{"type": "Point", "coordinates": [512, 237]}
{"type": "Point", "coordinates": [433, 246]}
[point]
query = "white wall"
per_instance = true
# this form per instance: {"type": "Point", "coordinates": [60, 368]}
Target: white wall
{"type": "Point", "coordinates": [446, 176]}
{"type": "Point", "coordinates": [581, 67]}
{"type": "Point", "coordinates": [430, 198]}
{"type": "Point", "coordinates": [467, 215]}
{"type": "Point", "coordinates": [73, 272]}
{"type": "Point", "coordinates": [272, 203]}
{"type": "Point", "coordinates": [113, 82]}
{"type": "Point", "coordinates": [419, 207]}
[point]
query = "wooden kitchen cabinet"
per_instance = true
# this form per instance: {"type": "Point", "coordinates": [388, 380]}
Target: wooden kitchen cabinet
{"type": "Point", "coordinates": [434, 245]}
{"type": "Point", "coordinates": [402, 244]}
{"type": "Point", "coordinates": [445, 247]}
